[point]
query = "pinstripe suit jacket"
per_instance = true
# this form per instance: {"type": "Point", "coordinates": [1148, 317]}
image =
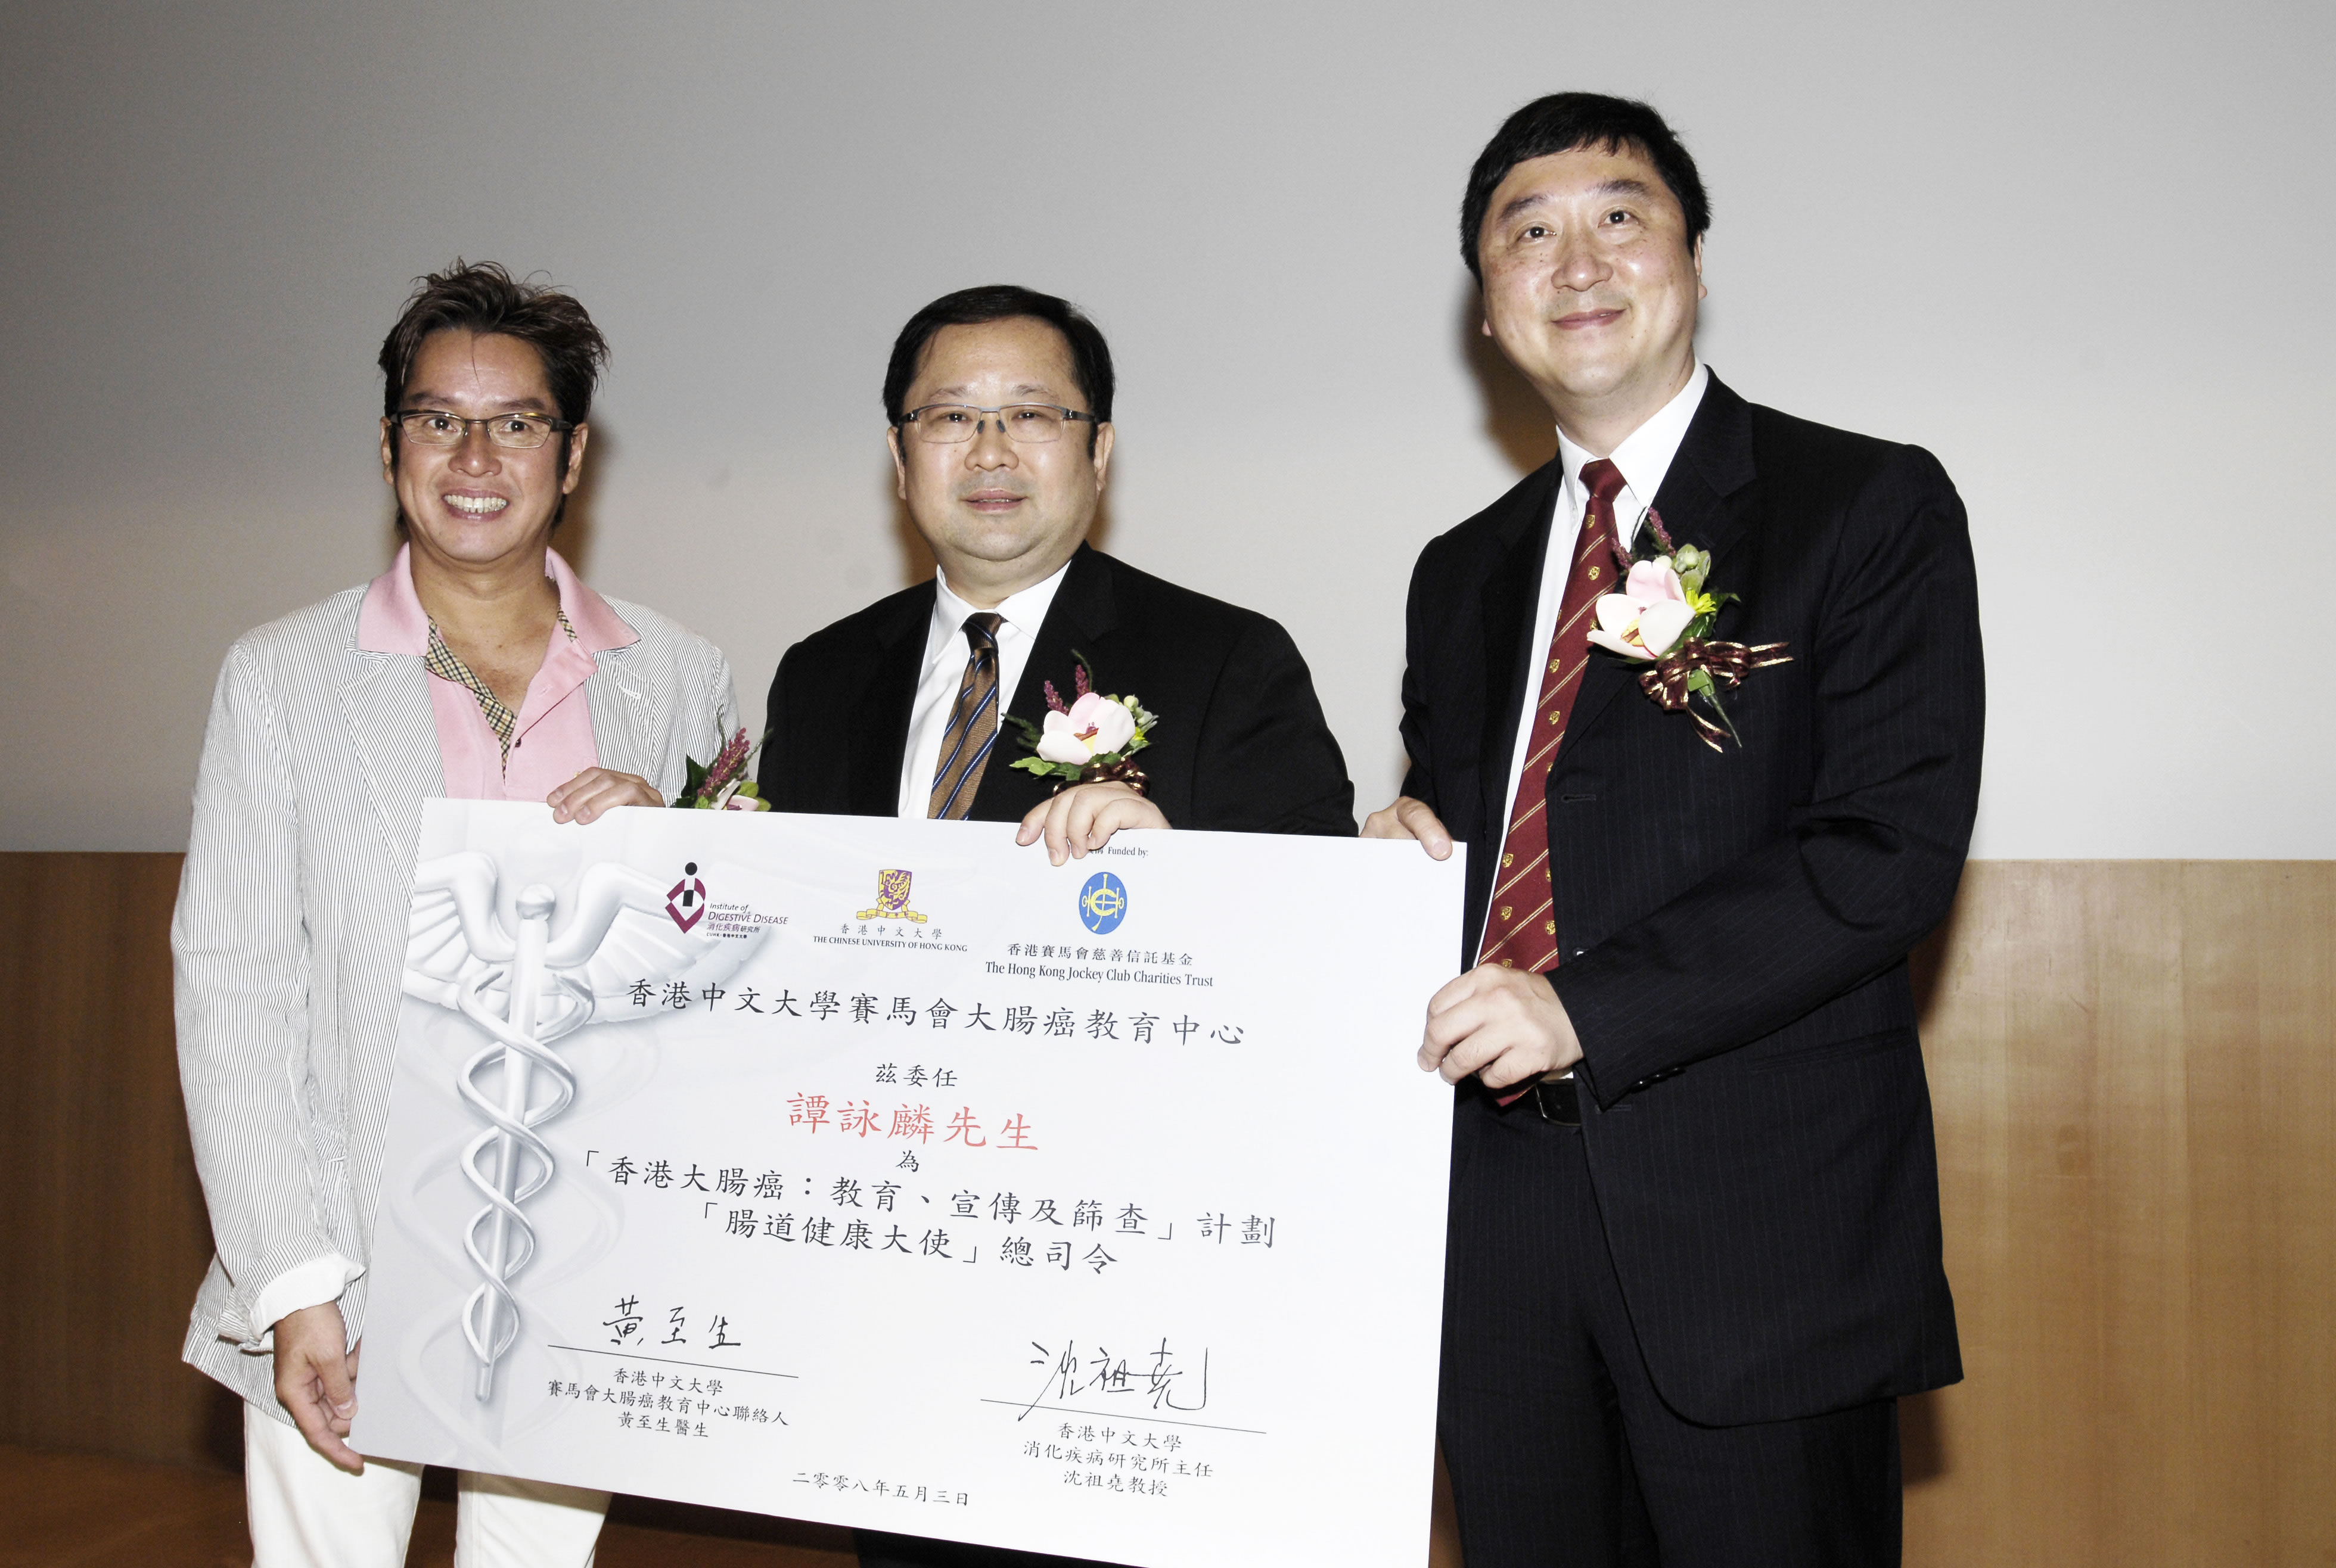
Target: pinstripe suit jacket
{"type": "Point", "coordinates": [290, 932]}
{"type": "Point", "coordinates": [1735, 926]}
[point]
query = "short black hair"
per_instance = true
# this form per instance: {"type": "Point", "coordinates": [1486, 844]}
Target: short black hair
{"type": "Point", "coordinates": [1561, 122]}
{"type": "Point", "coordinates": [481, 297]}
{"type": "Point", "coordinates": [1090, 355]}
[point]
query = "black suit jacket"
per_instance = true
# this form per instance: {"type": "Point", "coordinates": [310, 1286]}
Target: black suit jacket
{"type": "Point", "coordinates": [1241, 745]}
{"type": "Point", "coordinates": [1735, 927]}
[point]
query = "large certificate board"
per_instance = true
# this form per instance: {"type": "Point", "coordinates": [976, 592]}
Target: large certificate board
{"type": "Point", "coordinates": [879, 1173]}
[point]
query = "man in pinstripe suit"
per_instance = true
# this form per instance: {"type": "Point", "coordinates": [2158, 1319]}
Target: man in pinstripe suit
{"type": "Point", "coordinates": [1695, 1245]}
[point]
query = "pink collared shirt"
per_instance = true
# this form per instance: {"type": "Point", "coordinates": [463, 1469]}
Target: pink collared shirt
{"type": "Point", "coordinates": [552, 741]}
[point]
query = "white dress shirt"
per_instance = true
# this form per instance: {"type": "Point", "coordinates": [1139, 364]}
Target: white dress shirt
{"type": "Point", "coordinates": [1644, 458]}
{"type": "Point", "coordinates": [947, 649]}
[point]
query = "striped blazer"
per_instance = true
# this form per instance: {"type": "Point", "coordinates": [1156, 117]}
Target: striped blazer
{"type": "Point", "coordinates": [290, 931]}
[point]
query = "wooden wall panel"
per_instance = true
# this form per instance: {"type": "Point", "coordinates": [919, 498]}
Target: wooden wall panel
{"type": "Point", "coordinates": [2133, 1066]}
{"type": "Point", "coordinates": [101, 1224]}
{"type": "Point", "coordinates": [2134, 1071]}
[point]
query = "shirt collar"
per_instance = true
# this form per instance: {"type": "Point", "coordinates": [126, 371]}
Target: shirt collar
{"type": "Point", "coordinates": [1645, 455]}
{"type": "Point", "coordinates": [598, 627]}
{"type": "Point", "coordinates": [1025, 612]}
{"type": "Point", "coordinates": [393, 621]}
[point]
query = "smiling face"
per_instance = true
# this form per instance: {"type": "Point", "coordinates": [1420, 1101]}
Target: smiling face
{"type": "Point", "coordinates": [1000, 516]}
{"type": "Point", "coordinates": [1590, 287]}
{"type": "Point", "coordinates": [476, 504]}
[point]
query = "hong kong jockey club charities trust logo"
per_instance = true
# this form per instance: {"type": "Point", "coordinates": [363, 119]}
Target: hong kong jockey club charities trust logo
{"type": "Point", "coordinates": [891, 899]}
{"type": "Point", "coordinates": [686, 900]}
{"type": "Point", "coordinates": [1103, 903]}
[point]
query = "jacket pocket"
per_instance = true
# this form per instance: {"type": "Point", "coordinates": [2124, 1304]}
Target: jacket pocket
{"type": "Point", "coordinates": [1831, 1053]}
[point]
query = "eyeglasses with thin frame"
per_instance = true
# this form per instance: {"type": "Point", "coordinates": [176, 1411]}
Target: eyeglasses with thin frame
{"type": "Point", "coordinates": [951, 424]}
{"type": "Point", "coordinates": [438, 428]}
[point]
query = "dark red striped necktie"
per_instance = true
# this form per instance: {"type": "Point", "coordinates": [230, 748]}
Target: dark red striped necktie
{"type": "Point", "coordinates": [1520, 929]}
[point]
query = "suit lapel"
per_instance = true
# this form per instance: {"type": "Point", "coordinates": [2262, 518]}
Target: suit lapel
{"type": "Point", "coordinates": [621, 721]}
{"type": "Point", "coordinates": [394, 733]}
{"type": "Point", "coordinates": [1700, 501]}
{"type": "Point", "coordinates": [886, 704]}
{"type": "Point", "coordinates": [1511, 595]}
{"type": "Point", "coordinates": [1703, 502]}
{"type": "Point", "coordinates": [1084, 613]}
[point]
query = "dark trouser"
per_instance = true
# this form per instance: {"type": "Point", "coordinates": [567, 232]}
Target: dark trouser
{"type": "Point", "coordinates": [1561, 1454]}
{"type": "Point", "coordinates": [882, 1549]}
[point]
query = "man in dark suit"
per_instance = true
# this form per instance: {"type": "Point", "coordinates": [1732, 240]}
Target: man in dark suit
{"type": "Point", "coordinates": [999, 401]}
{"type": "Point", "coordinates": [1695, 1245]}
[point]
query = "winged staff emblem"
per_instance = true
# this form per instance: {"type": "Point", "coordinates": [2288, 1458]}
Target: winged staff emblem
{"type": "Point", "coordinates": [526, 990]}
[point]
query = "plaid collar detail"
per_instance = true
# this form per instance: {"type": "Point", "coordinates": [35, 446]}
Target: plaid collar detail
{"type": "Point", "coordinates": [446, 664]}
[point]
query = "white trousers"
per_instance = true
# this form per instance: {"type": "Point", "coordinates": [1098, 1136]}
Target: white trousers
{"type": "Point", "coordinates": [305, 1513]}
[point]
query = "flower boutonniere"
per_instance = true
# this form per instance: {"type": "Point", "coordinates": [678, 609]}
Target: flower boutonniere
{"type": "Point", "coordinates": [1091, 740]}
{"type": "Point", "coordinates": [722, 785]}
{"type": "Point", "coordinates": [1660, 619]}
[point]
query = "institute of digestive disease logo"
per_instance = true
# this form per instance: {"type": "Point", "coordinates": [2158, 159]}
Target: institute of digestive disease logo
{"type": "Point", "coordinates": [686, 902]}
{"type": "Point", "coordinates": [1103, 903]}
{"type": "Point", "coordinates": [891, 899]}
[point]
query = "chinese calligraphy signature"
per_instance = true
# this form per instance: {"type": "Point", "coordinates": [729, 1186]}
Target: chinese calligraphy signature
{"type": "Point", "coordinates": [1155, 1379]}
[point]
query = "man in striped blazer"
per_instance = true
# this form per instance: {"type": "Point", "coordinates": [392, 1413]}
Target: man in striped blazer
{"type": "Point", "coordinates": [478, 665]}
{"type": "Point", "coordinates": [1695, 1247]}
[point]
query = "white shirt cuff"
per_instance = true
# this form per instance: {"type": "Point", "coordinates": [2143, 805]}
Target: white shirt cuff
{"type": "Point", "coordinates": [308, 1284]}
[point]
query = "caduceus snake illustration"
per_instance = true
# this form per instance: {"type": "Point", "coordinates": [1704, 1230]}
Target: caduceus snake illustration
{"type": "Point", "coordinates": [526, 990]}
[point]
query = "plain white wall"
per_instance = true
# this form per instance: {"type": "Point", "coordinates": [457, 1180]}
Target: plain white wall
{"type": "Point", "coordinates": [2072, 249]}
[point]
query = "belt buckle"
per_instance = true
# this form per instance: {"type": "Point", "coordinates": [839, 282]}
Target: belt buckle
{"type": "Point", "coordinates": [1559, 1101]}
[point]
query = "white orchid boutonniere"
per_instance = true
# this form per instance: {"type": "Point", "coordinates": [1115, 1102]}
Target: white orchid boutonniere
{"type": "Point", "coordinates": [722, 785]}
{"type": "Point", "coordinates": [1090, 740]}
{"type": "Point", "coordinates": [1662, 618]}
{"type": "Point", "coordinates": [1662, 604]}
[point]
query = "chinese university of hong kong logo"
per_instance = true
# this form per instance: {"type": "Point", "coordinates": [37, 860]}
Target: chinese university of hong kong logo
{"type": "Point", "coordinates": [686, 902]}
{"type": "Point", "coordinates": [1103, 903]}
{"type": "Point", "coordinates": [891, 899]}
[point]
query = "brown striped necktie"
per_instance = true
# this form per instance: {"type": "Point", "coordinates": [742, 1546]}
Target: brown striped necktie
{"type": "Point", "coordinates": [972, 723]}
{"type": "Point", "coordinates": [1521, 929]}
